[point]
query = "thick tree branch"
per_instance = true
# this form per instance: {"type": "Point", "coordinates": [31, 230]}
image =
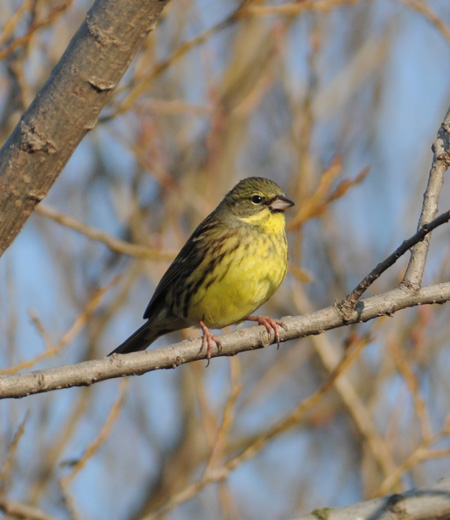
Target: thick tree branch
{"type": "Point", "coordinates": [137, 363]}
{"type": "Point", "coordinates": [68, 105]}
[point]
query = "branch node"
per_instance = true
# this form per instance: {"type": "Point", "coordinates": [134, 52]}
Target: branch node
{"type": "Point", "coordinates": [408, 287]}
{"type": "Point", "coordinates": [441, 146]}
{"type": "Point", "coordinates": [393, 502]}
{"type": "Point", "coordinates": [102, 37]}
{"type": "Point", "coordinates": [445, 158]}
{"type": "Point", "coordinates": [35, 196]}
{"type": "Point", "coordinates": [101, 85]}
{"type": "Point", "coordinates": [346, 308]}
{"type": "Point", "coordinates": [33, 142]}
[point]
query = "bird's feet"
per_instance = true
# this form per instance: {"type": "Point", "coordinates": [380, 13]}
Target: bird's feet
{"type": "Point", "coordinates": [208, 339]}
{"type": "Point", "coordinates": [270, 324]}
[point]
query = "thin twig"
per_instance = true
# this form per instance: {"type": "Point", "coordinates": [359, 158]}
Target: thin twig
{"type": "Point", "coordinates": [436, 19]}
{"type": "Point", "coordinates": [11, 453]}
{"type": "Point", "coordinates": [115, 244]}
{"type": "Point", "coordinates": [348, 304]}
{"type": "Point", "coordinates": [212, 475]}
{"type": "Point", "coordinates": [77, 326]}
{"type": "Point", "coordinates": [295, 8]}
{"type": "Point", "coordinates": [18, 510]}
{"type": "Point", "coordinates": [26, 38]}
{"type": "Point", "coordinates": [93, 447]}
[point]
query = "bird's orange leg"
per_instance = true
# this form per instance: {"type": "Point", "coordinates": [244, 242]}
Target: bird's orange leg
{"type": "Point", "coordinates": [208, 339]}
{"type": "Point", "coordinates": [271, 325]}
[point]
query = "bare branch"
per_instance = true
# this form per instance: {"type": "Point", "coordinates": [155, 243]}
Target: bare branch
{"type": "Point", "coordinates": [114, 244]}
{"type": "Point", "coordinates": [16, 509]}
{"type": "Point", "coordinates": [431, 503]}
{"type": "Point", "coordinates": [420, 241]}
{"type": "Point", "coordinates": [441, 162]}
{"type": "Point", "coordinates": [434, 18]}
{"type": "Point", "coordinates": [138, 363]}
{"type": "Point", "coordinates": [348, 304]}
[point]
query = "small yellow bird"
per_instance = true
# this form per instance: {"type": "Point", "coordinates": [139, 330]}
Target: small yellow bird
{"type": "Point", "coordinates": [233, 263]}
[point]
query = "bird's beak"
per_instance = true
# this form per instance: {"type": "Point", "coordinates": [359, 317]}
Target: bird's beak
{"type": "Point", "coordinates": [280, 203]}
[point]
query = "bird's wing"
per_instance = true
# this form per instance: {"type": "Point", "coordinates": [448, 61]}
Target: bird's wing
{"type": "Point", "coordinates": [187, 260]}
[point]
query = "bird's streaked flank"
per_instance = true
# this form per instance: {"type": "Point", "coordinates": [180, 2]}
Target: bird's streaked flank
{"type": "Point", "coordinates": [232, 263]}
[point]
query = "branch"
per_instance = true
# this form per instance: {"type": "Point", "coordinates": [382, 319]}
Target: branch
{"type": "Point", "coordinates": [137, 363]}
{"type": "Point", "coordinates": [68, 105]}
{"type": "Point", "coordinates": [420, 241]}
{"type": "Point", "coordinates": [18, 510]}
{"type": "Point", "coordinates": [114, 244]}
{"type": "Point", "coordinates": [441, 162]}
{"type": "Point", "coordinates": [431, 503]}
{"type": "Point", "coordinates": [348, 304]}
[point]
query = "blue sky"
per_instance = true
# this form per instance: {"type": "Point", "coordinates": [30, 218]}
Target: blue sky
{"type": "Point", "coordinates": [381, 113]}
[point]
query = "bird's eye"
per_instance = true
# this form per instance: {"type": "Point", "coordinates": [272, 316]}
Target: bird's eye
{"type": "Point", "coordinates": [257, 199]}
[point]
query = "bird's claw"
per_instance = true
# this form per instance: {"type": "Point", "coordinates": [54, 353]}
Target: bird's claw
{"type": "Point", "coordinates": [208, 339]}
{"type": "Point", "coordinates": [271, 325]}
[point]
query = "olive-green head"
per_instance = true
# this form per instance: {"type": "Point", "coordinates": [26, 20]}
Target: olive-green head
{"type": "Point", "coordinates": [253, 196]}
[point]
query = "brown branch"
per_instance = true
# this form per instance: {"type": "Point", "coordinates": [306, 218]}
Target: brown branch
{"type": "Point", "coordinates": [93, 447]}
{"type": "Point", "coordinates": [73, 331]}
{"type": "Point", "coordinates": [214, 474]}
{"type": "Point", "coordinates": [137, 87]}
{"type": "Point", "coordinates": [15, 509]}
{"type": "Point", "coordinates": [295, 8]}
{"type": "Point", "coordinates": [25, 39]}
{"type": "Point", "coordinates": [137, 363]}
{"type": "Point", "coordinates": [68, 105]}
{"type": "Point", "coordinates": [115, 244]}
{"type": "Point", "coordinates": [434, 18]}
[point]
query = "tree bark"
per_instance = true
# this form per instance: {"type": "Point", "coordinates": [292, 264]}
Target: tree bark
{"type": "Point", "coordinates": [68, 105]}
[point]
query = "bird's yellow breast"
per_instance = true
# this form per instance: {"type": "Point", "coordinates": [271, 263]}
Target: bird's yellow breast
{"type": "Point", "coordinates": [247, 275]}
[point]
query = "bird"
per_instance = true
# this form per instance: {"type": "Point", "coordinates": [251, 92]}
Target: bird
{"type": "Point", "coordinates": [232, 263]}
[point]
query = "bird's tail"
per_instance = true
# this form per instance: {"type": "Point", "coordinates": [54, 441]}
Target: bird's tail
{"type": "Point", "coordinates": [139, 340]}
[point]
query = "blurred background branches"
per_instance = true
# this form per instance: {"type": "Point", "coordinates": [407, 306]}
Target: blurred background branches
{"type": "Point", "coordinates": [339, 102]}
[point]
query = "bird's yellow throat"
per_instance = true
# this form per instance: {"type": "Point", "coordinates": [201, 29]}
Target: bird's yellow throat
{"type": "Point", "coordinates": [269, 221]}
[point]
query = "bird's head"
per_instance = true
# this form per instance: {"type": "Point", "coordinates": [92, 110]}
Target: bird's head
{"type": "Point", "coordinates": [257, 201]}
